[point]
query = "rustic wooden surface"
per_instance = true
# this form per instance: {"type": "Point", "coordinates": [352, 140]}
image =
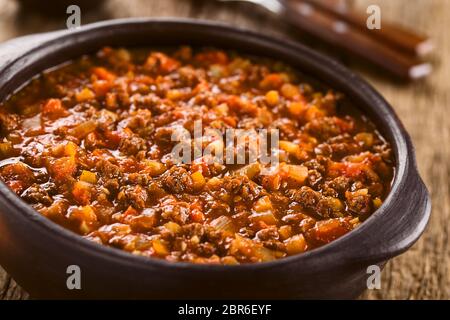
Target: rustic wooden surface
{"type": "Point", "coordinates": [422, 272]}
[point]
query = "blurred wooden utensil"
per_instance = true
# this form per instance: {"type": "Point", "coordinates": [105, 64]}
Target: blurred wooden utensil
{"type": "Point", "coordinates": [349, 37]}
{"type": "Point", "coordinates": [411, 42]}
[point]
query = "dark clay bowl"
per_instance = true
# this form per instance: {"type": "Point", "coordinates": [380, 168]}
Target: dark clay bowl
{"type": "Point", "coordinates": [37, 252]}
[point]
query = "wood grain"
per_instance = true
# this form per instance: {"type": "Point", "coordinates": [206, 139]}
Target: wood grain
{"type": "Point", "coordinates": [421, 273]}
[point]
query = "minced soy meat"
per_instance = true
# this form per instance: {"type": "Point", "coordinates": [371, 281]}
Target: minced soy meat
{"type": "Point", "coordinates": [89, 146]}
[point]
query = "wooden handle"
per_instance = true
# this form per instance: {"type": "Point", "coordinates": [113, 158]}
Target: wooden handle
{"type": "Point", "coordinates": [392, 34]}
{"type": "Point", "coordinates": [352, 40]}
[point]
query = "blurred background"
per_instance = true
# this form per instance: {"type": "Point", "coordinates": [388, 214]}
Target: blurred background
{"type": "Point", "coordinates": [423, 272]}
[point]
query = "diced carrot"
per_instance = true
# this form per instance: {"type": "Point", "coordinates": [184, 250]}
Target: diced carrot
{"type": "Point", "coordinates": [198, 180]}
{"type": "Point", "coordinates": [103, 74]}
{"type": "Point", "coordinates": [160, 247]}
{"type": "Point", "coordinates": [82, 192]}
{"type": "Point", "coordinates": [272, 81]}
{"type": "Point", "coordinates": [196, 212]}
{"type": "Point", "coordinates": [290, 91]}
{"type": "Point", "coordinates": [328, 230]}
{"type": "Point", "coordinates": [88, 176]}
{"type": "Point", "coordinates": [63, 168]}
{"type": "Point", "coordinates": [85, 94]}
{"type": "Point", "coordinates": [272, 97]}
{"type": "Point", "coordinates": [197, 216]}
{"type": "Point", "coordinates": [313, 112]}
{"type": "Point", "coordinates": [296, 244]}
{"type": "Point", "coordinates": [56, 211]}
{"type": "Point", "coordinates": [101, 87]}
{"type": "Point", "coordinates": [83, 129]}
{"type": "Point", "coordinates": [184, 53]}
{"type": "Point", "coordinates": [70, 149]}
{"type": "Point", "coordinates": [297, 108]}
{"type": "Point", "coordinates": [212, 57]}
{"type": "Point", "coordinates": [236, 104]}
{"type": "Point", "coordinates": [54, 109]}
{"type": "Point", "coordinates": [348, 169]}
{"type": "Point", "coordinates": [162, 62]}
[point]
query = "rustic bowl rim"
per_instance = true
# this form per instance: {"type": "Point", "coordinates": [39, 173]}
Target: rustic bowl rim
{"type": "Point", "coordinates": [402, 146]}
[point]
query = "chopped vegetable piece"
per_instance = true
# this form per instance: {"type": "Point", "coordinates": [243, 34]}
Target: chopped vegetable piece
{"type": "Point", "coordinates": [263, 204]}
{"type": "Point", "coordinates": [82, 192]}
{"type": "Point", "coordinates": [296, 244]}
{"type": "Point", "coordinates": [295, 173]}
{"type": "Point", "coordinates": [289, 91]}
{"type": "Point", "coordinates": [198, 180]}
{"type": "Point", "coordinates": [266, 217]}
{"type": "Point", "coordinates": [160, 248]}
{"type": "Point", "coordinates": [154, 168]}
{"type": "Point", "coordinates": [272, 97]}
{"type": "Point", "coordinates": [83, 129]}
{"type": "Point", "coordinates": [6, 149]}
{"type": "Point", "coordinates": [93, 145]}
{"type": "Point", "coordinates": [85, 95]}
{"type": "Point", "coordinates": [53, 109]}
{"type": "Point", "coordinates": [88, 176]}
{"type": "Point", "coordinates": [224, 224]}
{"type": "Point", "coordinates": [297, 108]}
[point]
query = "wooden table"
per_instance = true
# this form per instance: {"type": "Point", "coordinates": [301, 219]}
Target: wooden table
{"type": "Point", "coordinates": [421, 273]}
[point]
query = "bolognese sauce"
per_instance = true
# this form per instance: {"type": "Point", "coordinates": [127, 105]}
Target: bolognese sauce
{"type": "Point", "coordinates": [88, 145]}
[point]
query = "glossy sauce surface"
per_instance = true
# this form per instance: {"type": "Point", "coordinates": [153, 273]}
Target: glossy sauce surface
{"type": "Point", "coordinates": [89, 146]}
